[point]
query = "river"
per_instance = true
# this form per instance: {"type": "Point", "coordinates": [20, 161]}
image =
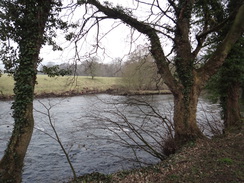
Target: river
{"type": "Point", "coordinates": [91, 128]}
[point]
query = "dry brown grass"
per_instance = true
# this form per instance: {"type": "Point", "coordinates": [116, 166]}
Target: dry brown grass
{"type": "Point", "coordinates": [219, 160]}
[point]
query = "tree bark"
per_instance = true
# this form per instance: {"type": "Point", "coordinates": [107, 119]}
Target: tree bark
{"type": "Point", "coordinates": [186, 97]}
{"type": "Point", "coordinates": [232, 115]}
{"type": "Point", "coordinates": [185, 109]}
{"type": "Point", "coordinates": [30, 29]}
{"type": "Point", "coordinates": [12, 161]}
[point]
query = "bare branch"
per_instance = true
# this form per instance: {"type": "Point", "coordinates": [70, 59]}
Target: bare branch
{"type": "Point", "coordinates": [146, 29]}
{"type": "Point", "coordinates": [56, 137]}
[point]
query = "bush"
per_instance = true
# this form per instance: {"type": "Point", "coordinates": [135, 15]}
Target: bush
{"type": "Point", "coordinates": [169, 146]}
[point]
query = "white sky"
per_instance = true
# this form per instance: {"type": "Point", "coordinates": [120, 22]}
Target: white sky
{"type": "Point", "coordinates": [116, 43]}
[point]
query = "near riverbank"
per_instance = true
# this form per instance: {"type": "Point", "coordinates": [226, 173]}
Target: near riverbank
{"type": "Point", "coordinates": [219, 160]}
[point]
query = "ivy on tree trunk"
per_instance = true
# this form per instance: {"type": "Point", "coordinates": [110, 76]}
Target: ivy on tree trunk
{"type": "Point", "coordinates": [29, 21]}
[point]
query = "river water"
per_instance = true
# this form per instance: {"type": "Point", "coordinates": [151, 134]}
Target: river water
{"type": "Point", "coordinates": [92, 129]}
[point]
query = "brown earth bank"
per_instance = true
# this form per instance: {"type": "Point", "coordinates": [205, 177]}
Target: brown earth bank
{"type": "Point", "coordinates": [93, 91]}
{"type": "Point", "coordinates": [217, 160]}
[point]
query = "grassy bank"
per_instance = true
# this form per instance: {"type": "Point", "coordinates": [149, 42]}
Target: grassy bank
{"type": "Point", "coordinates": [58, 85]}
{"type": "Point", "coordinates": [69, 85]}
{"type": "Point", "coordinates": [219, 160]}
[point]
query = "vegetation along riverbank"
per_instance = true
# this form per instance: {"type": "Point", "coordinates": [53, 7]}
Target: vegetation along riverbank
{"type": "Point", "coordinates": [218, 160]}
{"type": "Point", "coordinates": [73, 86]}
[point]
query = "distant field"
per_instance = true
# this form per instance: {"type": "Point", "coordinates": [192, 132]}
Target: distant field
{"type": "Point", "coordinates": [60, 84]}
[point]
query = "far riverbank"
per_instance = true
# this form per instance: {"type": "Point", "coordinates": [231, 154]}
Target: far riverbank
{"type": "Point", "coordinates": [92, 92]}
{"type": "Point", "coordinates": [68, 86]}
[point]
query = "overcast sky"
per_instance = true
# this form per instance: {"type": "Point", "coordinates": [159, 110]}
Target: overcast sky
{"type": "Point", "coordinates": [116, 43]}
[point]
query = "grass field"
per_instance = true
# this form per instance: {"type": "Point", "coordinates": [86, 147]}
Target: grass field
{"type": "Point", "coordinates": [64, 84]}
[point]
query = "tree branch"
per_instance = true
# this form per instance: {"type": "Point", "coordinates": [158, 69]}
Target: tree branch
{"type": "Point", "coordinates": [151, 33]}
{"type": "Point", "coordinates": [224, 48]}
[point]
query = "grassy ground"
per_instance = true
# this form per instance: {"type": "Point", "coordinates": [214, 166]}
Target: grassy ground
{"type": "Point", "coordinates": [69, 85]}
{"type": "Point", "coordinates": [79, 84]}
{"type": "Point", "coordinates": [219, 160]}
{"type": "Point", "coordinates": [6, 85]}
{"type": "Point", "coordinates": [64, 84]}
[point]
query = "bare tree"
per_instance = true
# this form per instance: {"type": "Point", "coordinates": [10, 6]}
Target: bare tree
{"type": "Point", "coordinates": [140, 72]}
{"type": "Point", "coordinates": [143, 124]}
{"type": "Point", "coordinates": [187, 25]}
{"type": "Point", "coordinates": [137, 124]}
{"type": "Point", "coordinates": [56, 137]}
{"type": "Point", "coordinates": [92, 66]}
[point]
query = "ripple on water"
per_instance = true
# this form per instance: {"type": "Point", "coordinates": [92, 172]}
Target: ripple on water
{"type": "Point", "coordinates": [90, 149]}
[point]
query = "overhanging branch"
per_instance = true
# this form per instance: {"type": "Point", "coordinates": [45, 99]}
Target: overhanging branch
{"type": "Point", "coordinates": [151, 33]}
{"type": "Point", "coordinates": [218, 57]}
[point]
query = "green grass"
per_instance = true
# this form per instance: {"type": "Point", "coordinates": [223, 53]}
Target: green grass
{"type": "Point", "coordinates": [70, 85]}
{"type": "Point", "coordinates": [6, 85]}
{"type": "Point", "coordinates": [60, 84]}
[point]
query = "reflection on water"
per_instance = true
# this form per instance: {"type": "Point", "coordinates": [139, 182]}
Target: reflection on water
{"type": "Point", "coordinates": [86, 136]}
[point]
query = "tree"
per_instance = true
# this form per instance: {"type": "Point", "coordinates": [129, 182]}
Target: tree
{"type": "Point", "coordinates": [226, 84]}
{"type": "Point", "coordinates": [55, 71]}
{"type": "Point", "coordinates": [184, 18]}
{"type": "Point", "coordinates": [23, 22]}
{"type": "Point", "coordinates": [140, 72]}
{"type": "Point", "coordinates": [233, 68]}
{"type": "Point", "coordinates": [91, 67]}
{"type": "Point", "coordinates": [56, 136]}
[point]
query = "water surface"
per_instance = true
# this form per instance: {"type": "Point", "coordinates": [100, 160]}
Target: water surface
{"type": "Point", "coordinates": [85, 126]}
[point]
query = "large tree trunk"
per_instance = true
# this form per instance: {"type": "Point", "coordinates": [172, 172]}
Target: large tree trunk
{"type": "Point", "coordinates": [12, 162]}
{"type": "Point", "coordinates": [186, 96]}
{"type": "Point", "coordinates": [185, 119]}
{"type": "Point", "coordinates": [30, 32]}
{"type": "Point", "coordinates": [232, 115]}
{"type": "Point", "coordinates": [185, 109]}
